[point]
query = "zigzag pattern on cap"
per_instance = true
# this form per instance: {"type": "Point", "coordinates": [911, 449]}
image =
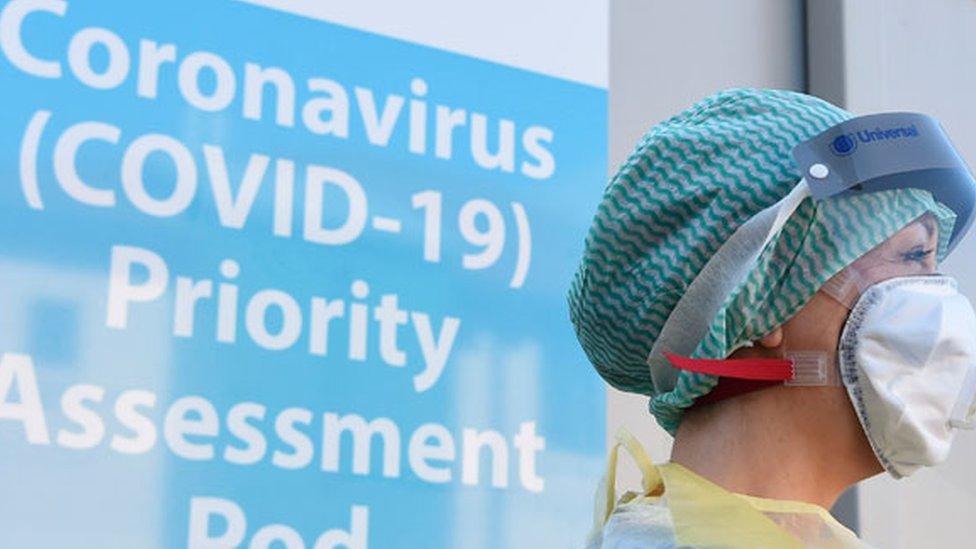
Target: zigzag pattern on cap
{"type": "Point", "coordinates": [818, 242]}
{"type": "Point", "coordinates": [689, 184]}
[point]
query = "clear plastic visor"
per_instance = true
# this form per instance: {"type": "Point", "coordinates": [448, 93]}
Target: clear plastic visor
{"type": "Point", "coordinates": [912, 251]}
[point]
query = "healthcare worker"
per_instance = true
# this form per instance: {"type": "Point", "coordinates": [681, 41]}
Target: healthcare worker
{"type": "Point", "coordinates": [764, 267]}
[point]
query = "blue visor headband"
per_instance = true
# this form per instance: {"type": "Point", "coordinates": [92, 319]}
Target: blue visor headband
{"type": "Point", "coordinates": [886, 151]}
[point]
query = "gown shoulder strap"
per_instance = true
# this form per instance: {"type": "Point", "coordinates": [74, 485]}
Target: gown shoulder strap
{"type": "Point", "coordinates": [606, 498]}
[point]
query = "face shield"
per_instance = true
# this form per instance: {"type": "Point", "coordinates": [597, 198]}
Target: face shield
{"type": "Point", "coordinates": [856, 159]}
{"type": "Point", "coordinates": [889, 151]}
{"type": "Point", "coordinates": [912, 251]}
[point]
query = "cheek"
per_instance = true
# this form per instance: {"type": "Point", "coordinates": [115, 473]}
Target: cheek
{"type": "Point", "coordinates": [904, 268]}
{"type": "Point", "coordinates": [817, 326]}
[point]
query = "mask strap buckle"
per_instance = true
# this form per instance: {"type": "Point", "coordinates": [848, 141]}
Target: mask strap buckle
{"type": "Point", "coordinates": [812, 369]}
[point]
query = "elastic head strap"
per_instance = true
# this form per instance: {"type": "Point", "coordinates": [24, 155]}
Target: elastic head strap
{"type": "Point", "coordinates": [692, 316]}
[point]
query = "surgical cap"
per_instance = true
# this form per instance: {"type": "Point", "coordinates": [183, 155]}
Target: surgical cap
{"type": "Point", "coordinates": [689, 184]}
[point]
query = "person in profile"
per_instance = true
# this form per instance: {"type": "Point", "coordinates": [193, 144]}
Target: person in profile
{"type": "Point", "coordinates": [764, 267]}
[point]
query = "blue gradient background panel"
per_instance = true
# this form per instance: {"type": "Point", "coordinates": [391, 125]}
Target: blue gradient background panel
{"type": "Point", "coordinates": [515, 358]}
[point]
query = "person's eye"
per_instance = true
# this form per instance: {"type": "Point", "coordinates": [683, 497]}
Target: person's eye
{"type": "Point", "coordinates": [917, 254]}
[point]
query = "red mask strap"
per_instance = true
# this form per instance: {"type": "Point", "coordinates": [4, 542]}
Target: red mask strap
{"type": "Point", "coordinates": [757, 369]}
{"type": "Point", "coordinates": [737, 375]}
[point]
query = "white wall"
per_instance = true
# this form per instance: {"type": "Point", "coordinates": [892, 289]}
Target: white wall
{"type": "Point", "coordinates": [666, 55]}
{"type": "Point", "coordinates": [899, 55]}
{"type": "Point", "coordinates": [574, 46]}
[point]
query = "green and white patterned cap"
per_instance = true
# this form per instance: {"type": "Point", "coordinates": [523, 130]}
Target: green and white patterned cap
{"type": "Point", "coordinates": [690, 183]}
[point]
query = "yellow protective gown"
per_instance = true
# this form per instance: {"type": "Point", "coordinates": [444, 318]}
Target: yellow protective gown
{"type": "Point", "coordinates": [677, 508]}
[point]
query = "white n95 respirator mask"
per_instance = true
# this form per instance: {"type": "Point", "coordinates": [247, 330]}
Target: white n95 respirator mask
{"type": "Point", "coordinates": [907, 356]}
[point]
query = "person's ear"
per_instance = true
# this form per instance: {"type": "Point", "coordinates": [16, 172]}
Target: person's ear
{"type": "Point", "coordinates": [772, 339]}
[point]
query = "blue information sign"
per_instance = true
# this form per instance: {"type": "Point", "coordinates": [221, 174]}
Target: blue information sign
{"type": "Point", "coordinates": [267, 281]}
